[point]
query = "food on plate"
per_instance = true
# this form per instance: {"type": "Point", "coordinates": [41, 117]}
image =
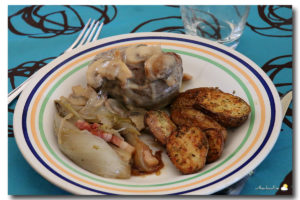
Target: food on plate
{"type": "Point", "coordinates": [131, 91]}
{"type": "Point", "coordinates": [186, 77]}
{"type": "Point", "coordinates": [215, 133]}
{"type": "Point", "coordinates": [111, 136]}
{"type": "Point", "coordinates": [143, 159]}
{"type": "Point", "coordinates": [137, 116]}
{"type": "Point", "coordinates": [185, 99]}
{"type": "Point", "coordinates": [216, 144]}
{"type": "Point", "coordinates": [187, 148]}
{"type": "Point", "coordinates": [95, 132]}
{"type": "Point", "coordinates": [229, 110]}
{"type": "Point", "coordinates": [137, 54]}
{"type": "Point", "coordinates": [160, 125]}
{"type": "Point", "coordinates": [89, 151]}
{"type": "Point", "coordinates": [212, 111]}
{"type": "Point", "coordinates": [193, 117]}
{"type": "Point", "coordinates": [140, 75]}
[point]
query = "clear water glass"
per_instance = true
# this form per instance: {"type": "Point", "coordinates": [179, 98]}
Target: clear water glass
{"type": "Point", "coordinates": [224, 24]}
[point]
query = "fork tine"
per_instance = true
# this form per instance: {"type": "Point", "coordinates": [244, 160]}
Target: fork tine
{"type": "Point", "coordinates": [87, 33]}
{"type": "Point", "coordinates": [79, 37]}
{"type": "Point", "coordinates": [98, 32]}
{"type": "Point", "coordinates": [92, 33]}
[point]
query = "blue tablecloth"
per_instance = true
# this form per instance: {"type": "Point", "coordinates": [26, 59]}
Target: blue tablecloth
{"type": "Point", "coordinates": [38, 34]}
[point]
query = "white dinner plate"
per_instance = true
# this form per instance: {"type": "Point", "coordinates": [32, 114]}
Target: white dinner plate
{"type": "Point", "coordinates": [210, 64]}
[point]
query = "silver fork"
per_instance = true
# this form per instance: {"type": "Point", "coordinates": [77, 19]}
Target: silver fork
{"type": "Point", "coordinates": [89, 33]}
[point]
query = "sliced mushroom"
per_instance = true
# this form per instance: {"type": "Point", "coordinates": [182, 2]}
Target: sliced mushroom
{"type": "Point", "coordinates": [138, 53]}
{"type": "Point", "coordinates": [94, 79]}
{"type": "Point", "coordinates": [171, 80]}
{"type": "Point", "coordinates": [140, 75]}
{"type": "Point", "coordinates": [109, 69]}
{"type": "Point", "coordinates": [159, 66]}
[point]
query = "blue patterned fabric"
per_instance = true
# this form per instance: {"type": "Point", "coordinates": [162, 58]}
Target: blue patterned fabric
{"type": "Point", "coordinates": [38, 34]}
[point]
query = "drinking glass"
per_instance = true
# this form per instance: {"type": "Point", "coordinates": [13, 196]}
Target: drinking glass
{"type": "Point", "coordinates": [224, 24]}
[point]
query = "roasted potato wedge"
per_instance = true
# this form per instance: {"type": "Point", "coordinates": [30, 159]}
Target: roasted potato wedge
{"type": "Point", "coordinates": [187, 148]}
{"type": "Point", "coordinates": [186, 99]}
{"type": "Point", "coordinates": [160, 125]}
{"type": "Point", "coordinates": [229, 110]}
{"type": "Point", "coordinates": [215, 143]}
{"type": "Point", "coordinates": [193, 117]}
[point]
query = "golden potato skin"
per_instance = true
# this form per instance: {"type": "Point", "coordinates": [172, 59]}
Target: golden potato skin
{"type": "Point", "coordinates": [187, 148]}
{"type": "Point", "coordinates": [229, 110]}
{"type": "Point", "coordinates": [186, 99]}
{"type": "Point", "coordinates": [193, 117]}
{"type": "Point", "coordinates": [211, 111]}
{"type": "Point", "coordinates": [215, 143]}
{"type": "Point", "coordinates": [160, 125]}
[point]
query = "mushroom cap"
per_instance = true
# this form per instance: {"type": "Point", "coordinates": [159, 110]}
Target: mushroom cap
{"type": "Point", "coordinates": [139, 75]}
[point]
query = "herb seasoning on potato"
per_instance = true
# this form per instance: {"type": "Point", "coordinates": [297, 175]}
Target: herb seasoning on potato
{"type": "Point", "coordinates": [160, 125]}
{"type": "Point", "coordinates": [187, 148]}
